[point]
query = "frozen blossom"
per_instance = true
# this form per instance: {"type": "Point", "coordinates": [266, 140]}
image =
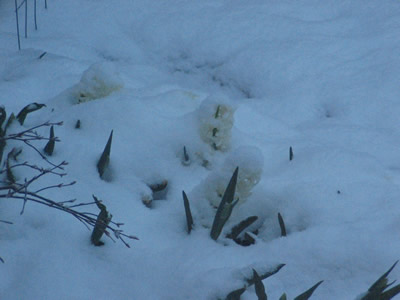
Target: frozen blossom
{"type": "Point", "coordinates": [215, 116]}
{"type": "Point", "coordinates": [100, 80]}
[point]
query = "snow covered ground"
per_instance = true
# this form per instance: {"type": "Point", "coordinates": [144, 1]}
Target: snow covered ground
{"type": "Point", "coordinates": [319, 76]}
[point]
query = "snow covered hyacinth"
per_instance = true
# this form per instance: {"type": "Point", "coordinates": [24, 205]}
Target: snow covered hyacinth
{"type": "Point", "coordinates": [250, 161]}
{"type": "Point", "coordinates": [100, 80]}
{"type": "Point", "coordinates": [215, 117]}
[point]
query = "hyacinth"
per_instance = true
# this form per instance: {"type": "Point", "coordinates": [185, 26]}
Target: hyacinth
{"type": "Point", "coordinates": [100, 80]}
{"type": "Point", "coordinates": [215, 117]}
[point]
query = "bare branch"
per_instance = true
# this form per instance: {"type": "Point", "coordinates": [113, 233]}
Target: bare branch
{"type": "Point", "coordinates": [60, 185]}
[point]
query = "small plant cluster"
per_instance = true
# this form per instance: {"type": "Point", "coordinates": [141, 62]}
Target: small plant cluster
{"type": "Point", "coordinates": [221, 199]}
{"type": "Point", "coordinates": [12, 188]}
{"type": "Point", "coordinates": [223, 213]}
{"type": "Point", "coordinates": [216, 121]}
{"type": "Point", "coordinates": [380, 289]}
{"type": "Point", "coordinates": [259, 287]}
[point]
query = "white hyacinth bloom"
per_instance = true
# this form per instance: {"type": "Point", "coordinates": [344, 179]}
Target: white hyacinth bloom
{"type": "Point", "coordinates": [100, 80]}
{"type": "Point", "coordinates": [215, 117]}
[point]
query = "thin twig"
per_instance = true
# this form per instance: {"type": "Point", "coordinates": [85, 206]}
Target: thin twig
{"type": "Point", "coordinates": [60, 185]}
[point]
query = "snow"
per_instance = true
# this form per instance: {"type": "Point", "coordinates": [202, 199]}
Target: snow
{"type": "Point", "coordinates": [318, 76]}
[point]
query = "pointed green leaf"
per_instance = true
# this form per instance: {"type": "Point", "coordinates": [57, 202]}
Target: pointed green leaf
{"type": "Point", "coordinates": [266, 274]}
{"type": "Point", "coordinates": [189, 218]}
{"type": "Point", "coordinates": [389, 294]}
{"type": "Point", "coordinates": [282, 225]}
{"type": "Point", "coordinates": [235, 295]}
{"type": "Point", "coordinates": [283, 297]}
{"type": "Point", "coordinates": [259, 286]}
{"type": "Point", "coordinates": [28, 109]}
{"type": "Point", "coordinates": [105, 157]}
{"type": "Point", "coordinates": [103, 219]}
{"type": "Point", "coordinates": [13, 154]}
{"type": "Point", "coordinates": [307, 294]}
{"type": "Point", "coordinates": [237, 229]}
{"type": "Point", "coordinates": [225, 207]}
{"type": "Point", "coordinates": [290, 153]}
{"type": "Point", "coordinates": [381, 283]}
{"type": "Point", "coordinates": [49, 148]}
{"type": "Point", "coordinates": [376, 291]}
{"type": "Point", "coordinates": [217, 112]}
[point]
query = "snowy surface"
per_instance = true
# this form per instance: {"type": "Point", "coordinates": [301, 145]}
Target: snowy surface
{"type": "Point", "coordinates": [320, 76]}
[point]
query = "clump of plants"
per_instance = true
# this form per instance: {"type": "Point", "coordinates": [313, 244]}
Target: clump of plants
{"type": "Point", "coordinates": [379, 290]}
{"type": "Point", "coordinates": [222, 215]}
{"type": "Point", "coordinates": [224, 210]}
{"type": "Point", "coordinates": [256, 280]}
{"type": "Point", "coordinates": [382, 289]}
